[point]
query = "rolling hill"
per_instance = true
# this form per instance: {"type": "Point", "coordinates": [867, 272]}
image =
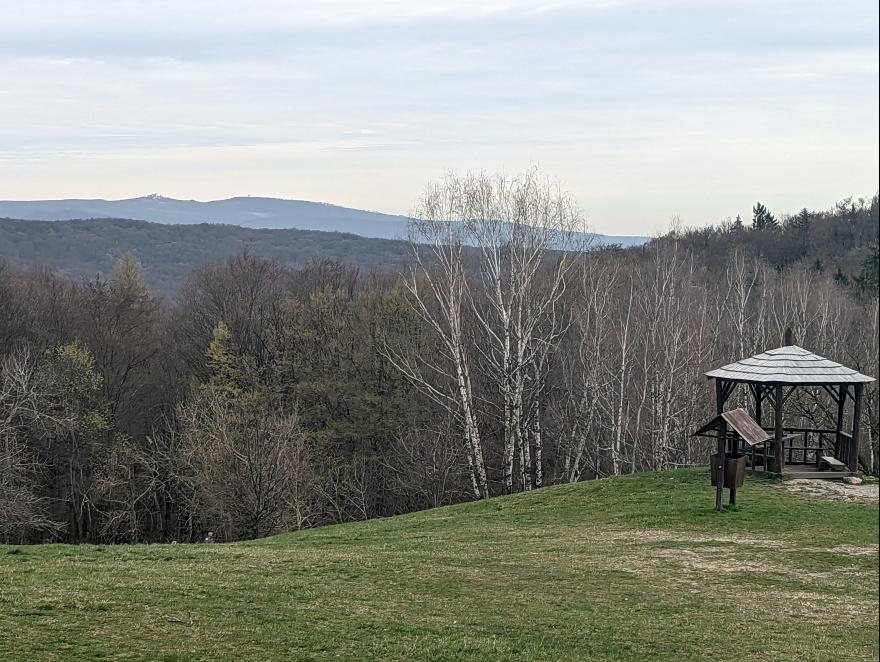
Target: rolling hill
{"type": "Point", "coordinates": [168, 253]}
{"type": "Point", "coordinates": [637, 567]}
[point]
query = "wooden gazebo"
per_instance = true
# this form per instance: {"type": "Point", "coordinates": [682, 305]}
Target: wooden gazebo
{"type": "Point", "coordinates": [772, 377]}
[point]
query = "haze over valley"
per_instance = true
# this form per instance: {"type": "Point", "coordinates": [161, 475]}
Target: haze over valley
{"type": "Point", "coordinates": [247, 212]}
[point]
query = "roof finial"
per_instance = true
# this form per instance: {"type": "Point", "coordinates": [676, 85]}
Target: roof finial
{"type": "Point", "coordinates": [789, 337]}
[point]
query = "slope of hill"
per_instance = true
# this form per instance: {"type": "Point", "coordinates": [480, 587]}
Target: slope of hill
{"type": "Point", "coordinates": [257, 213]}
{"type": "Point", "coordinates": [168, 253]}
{"type": "Point", "coordinates": [629, 568]}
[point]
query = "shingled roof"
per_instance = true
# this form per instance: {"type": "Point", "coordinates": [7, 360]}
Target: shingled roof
{"type": "Point", "coordinates": [788, 365]}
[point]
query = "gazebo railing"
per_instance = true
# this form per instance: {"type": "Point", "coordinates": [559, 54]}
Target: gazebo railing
{"type": "Point", "coordinates": [814, 443]}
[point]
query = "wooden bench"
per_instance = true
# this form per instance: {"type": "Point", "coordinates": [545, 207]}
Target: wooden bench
{"type": "Point", "coordinates": [765, 451]}
{"type": "Point", "coordinates": [831, 463]}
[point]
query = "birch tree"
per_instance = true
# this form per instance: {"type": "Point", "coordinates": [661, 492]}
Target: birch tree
{"type": "Point", "coordinates": [530, 235]}
{"type": "Point", "coordinates": [439, 290]}
{"type": "Point", "coordinates": [741, 276]}
{"type": "Point", "coordinates": [585, 375]}
{"type": "Point", "coordinates": [525, 235]}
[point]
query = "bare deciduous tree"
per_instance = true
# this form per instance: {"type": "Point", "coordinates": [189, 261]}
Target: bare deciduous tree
{"type": "Point", "coordinates": [525, 235]}
{"type": "Point", "coordinates": [439, 290]}
{"type": "Point", "coordinates": [248, 465]}
{"type": "Point", "coordinates": [23, 416]}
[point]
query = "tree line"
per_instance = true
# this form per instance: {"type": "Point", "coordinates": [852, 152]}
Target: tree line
{"type": "Point", "coordinates": [509, 354]}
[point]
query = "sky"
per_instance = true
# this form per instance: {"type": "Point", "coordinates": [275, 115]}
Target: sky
{"type": "Point", "coordinates": [644, 111]}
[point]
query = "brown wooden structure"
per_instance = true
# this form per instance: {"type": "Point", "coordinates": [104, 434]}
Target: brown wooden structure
{"type": "Point", "coordinates": [737, 431]}
{"type": "Point", "coordinates": [772, 377]}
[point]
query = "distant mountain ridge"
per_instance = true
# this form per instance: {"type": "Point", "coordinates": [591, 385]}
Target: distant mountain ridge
{"type": "Point", "coordinates": [245, 212]}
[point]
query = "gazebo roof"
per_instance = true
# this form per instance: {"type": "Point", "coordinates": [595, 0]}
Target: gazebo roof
{"type": "Point", "coordinates": [788, 365]}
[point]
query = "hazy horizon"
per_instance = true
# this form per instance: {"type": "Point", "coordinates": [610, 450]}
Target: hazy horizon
{"type": "Point", "coordinates": [643, 111]}
{"type": "Point", "coordinates": [264, 213]}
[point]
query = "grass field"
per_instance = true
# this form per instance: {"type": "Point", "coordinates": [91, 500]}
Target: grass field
{"type": "Point", "coordinates": [632, 568]}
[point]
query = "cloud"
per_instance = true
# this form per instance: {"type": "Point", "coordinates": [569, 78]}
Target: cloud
{"type": "Point", "coordinates": [599, 93]}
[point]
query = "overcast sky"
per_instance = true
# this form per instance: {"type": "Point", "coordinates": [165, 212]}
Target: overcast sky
{"type": "Point", "coordinates": [644, 110]}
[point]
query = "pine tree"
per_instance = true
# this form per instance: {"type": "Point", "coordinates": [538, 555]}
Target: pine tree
{"type": "Point", "coordinates": [802, 221]}
{"type": "Point", "coordinates": [762, 219]}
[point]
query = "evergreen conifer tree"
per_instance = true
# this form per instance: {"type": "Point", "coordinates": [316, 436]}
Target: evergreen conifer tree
{"type": "Point", "coordinates": [762, 219]}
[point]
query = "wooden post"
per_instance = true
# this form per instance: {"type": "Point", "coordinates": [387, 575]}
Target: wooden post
{"type": "Point", "coordinates": [721, 452]}
{"type": "Point", "coordinates": [841, 410]}
{"type": "Point", "coordinates": [759, 401]}
{"type": "Point", "coordinates": [758, 392]}
{"type": "Point", "coordinates": [854, 441]}
{"type": "Point", "coordinates": [779, 459]}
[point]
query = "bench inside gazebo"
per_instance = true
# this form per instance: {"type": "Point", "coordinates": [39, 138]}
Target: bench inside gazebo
{"type": "Point", "coordinates": [797, 452]}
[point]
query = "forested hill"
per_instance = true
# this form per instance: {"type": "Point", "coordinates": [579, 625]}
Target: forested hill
{"type": "Point", "coordinates": [267, 395]}
{"type": "Point", "coordinates": [841, 242]}
{"type": "Point", "coordinates": [168, 253]}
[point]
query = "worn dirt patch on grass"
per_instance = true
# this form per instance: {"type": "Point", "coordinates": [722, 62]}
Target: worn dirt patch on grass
{"type": "Point", "coordinates": [709, 554]}
{"type": "Point", "coordinates": [832, 490]}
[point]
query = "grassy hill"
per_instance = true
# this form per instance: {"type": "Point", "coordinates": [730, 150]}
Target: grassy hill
{"type": "Point", "coordinates": [631, 568]}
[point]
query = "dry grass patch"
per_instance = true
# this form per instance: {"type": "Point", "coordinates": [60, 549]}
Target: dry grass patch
{"type": "Point", "coordinates": [835, 490]}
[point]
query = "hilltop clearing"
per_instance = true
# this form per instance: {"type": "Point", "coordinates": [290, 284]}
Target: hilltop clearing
{"type": "Point", "coordinates": [629, 568]}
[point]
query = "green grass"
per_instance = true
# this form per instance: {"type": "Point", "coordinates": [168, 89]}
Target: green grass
{"type": "Point", "coordinates": [631, 568]}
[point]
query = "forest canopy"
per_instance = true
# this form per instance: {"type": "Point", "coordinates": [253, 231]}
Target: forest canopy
{"type": "Point", "coordinates": [269, 394]}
